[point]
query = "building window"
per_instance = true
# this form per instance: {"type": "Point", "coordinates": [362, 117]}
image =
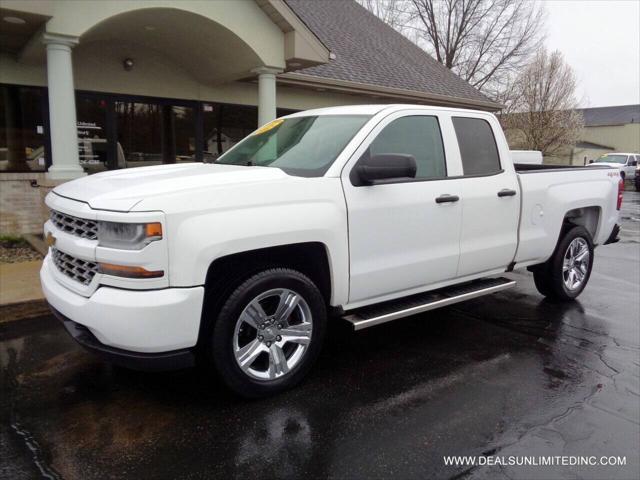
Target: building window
{"type": "Point", "coordinates": [154, 134]}
{"type": "Point", "coordinates": [22, 129]}
{"type": "Point", "coordinates": [120, 131]}
{"type": "Point", "coordinates": [225, 125]}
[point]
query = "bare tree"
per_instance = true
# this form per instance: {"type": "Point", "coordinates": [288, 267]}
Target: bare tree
{"type": "Point", "coordinates": [483, 41]}
{"type": "Point", "coordinates": [540, 106]}
{"type": "Point", "coordinates": [391, 12]}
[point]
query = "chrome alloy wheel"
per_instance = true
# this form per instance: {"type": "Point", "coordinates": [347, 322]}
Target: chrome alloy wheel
{"type": "Point", "coordinates": [272, 334]}
{"type": "Point", "coordinates": [575, 265]}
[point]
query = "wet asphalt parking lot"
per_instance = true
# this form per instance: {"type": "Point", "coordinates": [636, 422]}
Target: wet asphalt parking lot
{"type": "Point", "coordinates": [508, 374]}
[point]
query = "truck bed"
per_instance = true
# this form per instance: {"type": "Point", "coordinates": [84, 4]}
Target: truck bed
{"type": "Point", "coordinates": [546, 199]}
{"type": "Point", "coordinates": [530, 168]}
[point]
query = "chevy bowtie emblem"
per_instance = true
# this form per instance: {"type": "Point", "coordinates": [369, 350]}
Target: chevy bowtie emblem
{"type": "Point", "coordinates": [51, 240]}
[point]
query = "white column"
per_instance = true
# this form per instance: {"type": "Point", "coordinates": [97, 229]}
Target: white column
{"type": "Point", "coordinates": [266, 94]}
{"type": "Point", "coordinates": [62, 108]}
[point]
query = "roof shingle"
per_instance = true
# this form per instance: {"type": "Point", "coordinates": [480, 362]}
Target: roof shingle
{"type": "Point", "coordinates": [618, 115]}
{"type": "Point", "coordinates": [369, 51]}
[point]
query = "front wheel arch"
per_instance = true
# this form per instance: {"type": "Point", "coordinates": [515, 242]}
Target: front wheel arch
{"type": "Point", "coordinates": [226, 273]}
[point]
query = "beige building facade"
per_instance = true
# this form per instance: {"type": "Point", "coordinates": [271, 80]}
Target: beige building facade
{"type": "Point", "coordinates": [606, 130]}
{"type": "Point", "coordinates": [98, 85]}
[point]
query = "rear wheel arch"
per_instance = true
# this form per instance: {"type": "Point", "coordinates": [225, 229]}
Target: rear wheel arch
{"type": "Point", "coordinates": [587, 217]}
{"type": "Point", "coordinates": [550, 278]}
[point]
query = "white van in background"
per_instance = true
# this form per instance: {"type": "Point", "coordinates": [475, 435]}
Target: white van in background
{"type": "Point", "coordinates": [527, 157]}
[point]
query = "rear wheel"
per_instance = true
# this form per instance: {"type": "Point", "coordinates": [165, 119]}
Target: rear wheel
{"type": "Point", "coordinates": [269, 332]}
{"type": "Point", "coordinates": [565, 275]}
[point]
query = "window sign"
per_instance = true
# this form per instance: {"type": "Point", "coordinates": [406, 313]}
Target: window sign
{"type": "Point", "coordinates": [90, 134]}
{"type": "Point", "coordinates": [92, 137]}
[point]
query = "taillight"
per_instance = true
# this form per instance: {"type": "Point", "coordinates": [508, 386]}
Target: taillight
{"type": "Point", "coordinates": [620, 191]}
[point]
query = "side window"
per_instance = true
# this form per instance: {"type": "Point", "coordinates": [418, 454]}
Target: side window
{"type": "Point", "coordinates": [631, 161]}
{"type": "Point", "coordinates": [478, 147]}
{"type": "Point", "coordinates": [418, 136]}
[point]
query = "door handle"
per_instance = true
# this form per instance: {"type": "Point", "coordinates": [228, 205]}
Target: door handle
{"type": "Point", "coordinates": [446, 198]}
{"type": "Point", "coordinates": [507, 192]}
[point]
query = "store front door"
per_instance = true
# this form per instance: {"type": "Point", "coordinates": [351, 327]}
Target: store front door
{"type": "Point", "coordinates": [121, 132]}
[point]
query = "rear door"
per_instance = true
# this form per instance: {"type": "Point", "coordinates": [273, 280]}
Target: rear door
{"type": "Point", "coordinates": [400, 238]}
{"type": "Point", "coordinates": [491, 196]}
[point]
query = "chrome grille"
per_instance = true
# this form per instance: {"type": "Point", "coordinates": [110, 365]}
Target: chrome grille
{"type": "Point", "coordinates": [79, 270]}
{"type": "Point", "coordinates": [80, 227]}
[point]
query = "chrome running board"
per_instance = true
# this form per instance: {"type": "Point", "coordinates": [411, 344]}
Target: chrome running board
{"type": "Point", "coordinates": [386, 312]}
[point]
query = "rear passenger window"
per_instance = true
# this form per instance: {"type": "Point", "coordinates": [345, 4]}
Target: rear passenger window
{"type": "Point", "coordinates": [478, 147]}
{"type": "Point", "coordinates": [418, 136]}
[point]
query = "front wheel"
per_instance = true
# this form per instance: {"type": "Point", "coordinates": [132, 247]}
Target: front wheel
{"type": "Point", "coordinates": [269, 332]}
{"type": "Point", "coordinates": [565, 275]}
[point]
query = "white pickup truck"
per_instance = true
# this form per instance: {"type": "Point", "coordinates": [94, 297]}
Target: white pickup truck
{"type": "Point", "coordinates": [625, 163]}
{"type": "Point", "coordinates": [362, 213]}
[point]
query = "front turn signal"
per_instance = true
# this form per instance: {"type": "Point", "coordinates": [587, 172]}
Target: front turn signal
{"type": "Point", "coordinates": [127, 271]}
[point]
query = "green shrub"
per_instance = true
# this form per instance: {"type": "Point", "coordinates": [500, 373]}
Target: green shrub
{"type": "Point", "coordinates": [12, 241]}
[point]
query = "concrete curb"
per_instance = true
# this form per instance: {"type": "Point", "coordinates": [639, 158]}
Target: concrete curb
{"type": "Point", "coordinates": [37, 243]}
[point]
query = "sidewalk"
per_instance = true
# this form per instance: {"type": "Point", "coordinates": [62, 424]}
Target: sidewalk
{"type": "Point", "coordinates": [20, 292]}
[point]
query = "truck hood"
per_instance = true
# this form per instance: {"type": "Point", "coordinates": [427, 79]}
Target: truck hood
{"type": "Point", "coordinates": [121, 190]}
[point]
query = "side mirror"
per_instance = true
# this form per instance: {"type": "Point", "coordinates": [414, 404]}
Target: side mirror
{"type": "Point", "coordinates": [590, 161]}
{"type": "Point", "coordinates": [377, 168]}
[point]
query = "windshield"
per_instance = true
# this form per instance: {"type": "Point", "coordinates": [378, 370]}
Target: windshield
{"type": "Point", "coordinates": [622, 159]}
{"type": "Point", "coordinates": [302, 146]}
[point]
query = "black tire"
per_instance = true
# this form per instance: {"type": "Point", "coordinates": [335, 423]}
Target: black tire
{"type": "Point", "coordinates": [222, 348]}
{"type": "Point", "coordinates": [549, 277]}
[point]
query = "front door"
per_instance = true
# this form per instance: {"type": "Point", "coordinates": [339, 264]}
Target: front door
{"type": "Point", "coordinates": [154, 133]}
{"type": "Point", "coordinates": [400, 238]}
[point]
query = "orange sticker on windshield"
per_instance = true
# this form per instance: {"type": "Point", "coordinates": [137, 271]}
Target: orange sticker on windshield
{"type": "Point", "coordinates": [268, 126]}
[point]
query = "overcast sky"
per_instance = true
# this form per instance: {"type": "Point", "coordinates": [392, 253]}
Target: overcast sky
{"type": "Point", "coordinates": [600, 39]}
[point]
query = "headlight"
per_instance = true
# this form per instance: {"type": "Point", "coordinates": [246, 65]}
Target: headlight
{"type": "Point", "coordinates": [128, 236]}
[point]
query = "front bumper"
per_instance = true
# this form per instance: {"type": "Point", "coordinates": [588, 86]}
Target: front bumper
{"type": "Point", "coordinates": [134, 321]}
{"type": "Point", "coordinates": [164, 361]}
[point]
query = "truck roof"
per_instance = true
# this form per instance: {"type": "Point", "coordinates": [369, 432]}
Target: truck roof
{"type": "Point", "coordinates": [373, 109]}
